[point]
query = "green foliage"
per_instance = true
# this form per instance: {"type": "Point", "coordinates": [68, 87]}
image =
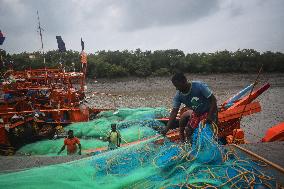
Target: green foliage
{"type": "Point", "coordinates": [145, 63]}
{"type": "Point", "coordinates": [162, 72]}
{"type": "Point", "coordinates": [142, 67]}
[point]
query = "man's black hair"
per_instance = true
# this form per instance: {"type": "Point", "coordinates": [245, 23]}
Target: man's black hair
{"type": "Point", "coordinates": [70, 131]}
{"type": "Point", "coordinates": [179, 77]}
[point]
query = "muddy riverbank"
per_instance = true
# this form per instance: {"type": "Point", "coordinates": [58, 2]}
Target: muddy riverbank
{"type": "Point", "coordinates": [158, 92]}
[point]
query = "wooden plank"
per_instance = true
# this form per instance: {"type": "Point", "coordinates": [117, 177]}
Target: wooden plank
{"type": "Point", "coordinates": [276, 166]}
{"type": "Point", "coordinates": [173, 135]}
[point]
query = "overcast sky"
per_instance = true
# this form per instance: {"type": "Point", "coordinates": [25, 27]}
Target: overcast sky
{"type": "Point", "coordinates": [189, 25]}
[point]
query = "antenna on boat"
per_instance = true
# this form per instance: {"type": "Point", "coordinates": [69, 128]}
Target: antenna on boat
{"type": "Point", "coordinates": [40, 33]}
{"type": "Point", "coordinates": [83, 57]}
{"type": "Point", "coordinates": [254, 84]}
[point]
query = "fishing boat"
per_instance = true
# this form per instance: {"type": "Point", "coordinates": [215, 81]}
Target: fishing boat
{"type": "Point", "coordinates": [37, 103]}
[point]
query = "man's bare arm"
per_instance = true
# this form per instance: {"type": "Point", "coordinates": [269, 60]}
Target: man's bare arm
{"type": "Point", "coordinates": [172, 118]}
{"type": "Point", "coordinates": [213, 108]}
{"type": "Point", "coordinates": [62, 148]}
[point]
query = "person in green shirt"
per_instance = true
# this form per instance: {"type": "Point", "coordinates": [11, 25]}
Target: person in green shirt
{"type": "Point", "coordinates": [114, 138]}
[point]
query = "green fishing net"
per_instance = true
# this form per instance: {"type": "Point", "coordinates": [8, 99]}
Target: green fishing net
{"type": "Point", "coordinates": [133, 125]}
{"type": "Point", "coordinates": [204, 164]}
{"type": "Point", "coordinates": [148, 164]}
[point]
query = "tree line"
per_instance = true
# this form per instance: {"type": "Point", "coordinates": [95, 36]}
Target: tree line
{"type": "Point", "coordinates": [148, 63]}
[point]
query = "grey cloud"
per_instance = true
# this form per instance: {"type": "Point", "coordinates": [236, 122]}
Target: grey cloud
{"type": "Point", "coordinates": [19, 21]}
{"type": "Point", "coordinates": [133, 15]}
{"type": "Point", "coordinates": [60, 17]}
{"type": "Point", "coordinates": [149, 24]}
{"type": "Point", "coordinates": [118, 15]}
{"type": "Point", "coordinates": [56, 15]}
{"type": "Point", "coordinates": [137, 14]}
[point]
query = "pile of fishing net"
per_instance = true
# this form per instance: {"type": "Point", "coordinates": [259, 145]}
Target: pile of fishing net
{"type": "Point", "coordinates": [152, 164]}
{"type": "Point", "coordinates": [133, 124]}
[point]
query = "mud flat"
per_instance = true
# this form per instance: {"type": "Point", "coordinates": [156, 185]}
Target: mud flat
{"type": "Point", "coordinates": [158, 92]}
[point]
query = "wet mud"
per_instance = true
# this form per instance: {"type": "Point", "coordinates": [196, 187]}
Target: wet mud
{"type": "Point", "coordinates": [158, 92]}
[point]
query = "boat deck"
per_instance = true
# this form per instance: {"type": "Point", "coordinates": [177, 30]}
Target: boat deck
{"type": "Point", "coordinates": [20, 163]}
{"type": "Point", "coordinates": [274, 153]}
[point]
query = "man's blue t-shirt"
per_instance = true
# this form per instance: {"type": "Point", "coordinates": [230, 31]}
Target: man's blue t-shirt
{"type": "Point", "coordinates": [196, 99]}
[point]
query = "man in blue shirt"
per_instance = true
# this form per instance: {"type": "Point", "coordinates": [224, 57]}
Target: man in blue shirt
{"type": "Point", "coordinates": [198, 98]}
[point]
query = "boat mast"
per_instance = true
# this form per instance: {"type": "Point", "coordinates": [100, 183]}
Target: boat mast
{"type": "Point", "coordinates": [40, 33]}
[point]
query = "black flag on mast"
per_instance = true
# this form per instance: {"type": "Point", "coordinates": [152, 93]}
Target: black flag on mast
{"type": "Point", "coordinates": [82, 44]}
{"type": "Point", "coordinates": [61, 44]}
{"type": "Point", "coordinates": [2, 38]}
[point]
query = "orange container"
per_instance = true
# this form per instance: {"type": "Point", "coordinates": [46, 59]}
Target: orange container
{"type": "Point", "coordinates": [78, 115]}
